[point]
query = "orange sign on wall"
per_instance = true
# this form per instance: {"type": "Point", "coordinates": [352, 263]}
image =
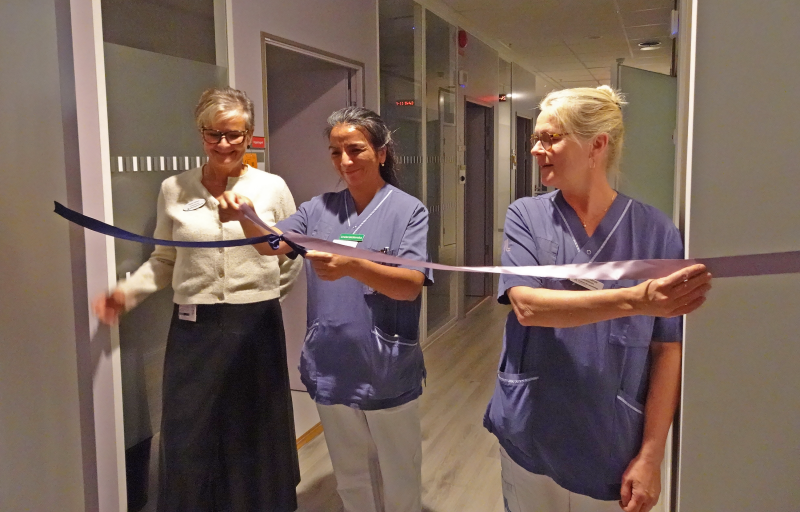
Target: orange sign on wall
{"type": "Point", "coordinates": [251, 159]}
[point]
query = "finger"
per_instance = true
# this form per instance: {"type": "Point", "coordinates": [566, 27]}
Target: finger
{"type": "Point", "coordinates": [692, 296]}
{"type": "Point", "coordinates": [634, 505]}
{"type": "Point", "coordinates": [625, 493]}
{"type": "Point", "coordinates": [688, 308]}
{"type": "Point", "coordinates": [684, 275]}
{"type": "Point", "coordinates": [223, 204]}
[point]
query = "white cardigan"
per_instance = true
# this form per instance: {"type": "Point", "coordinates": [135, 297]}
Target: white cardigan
{"type": "Point", "coordinates": [234, 275]}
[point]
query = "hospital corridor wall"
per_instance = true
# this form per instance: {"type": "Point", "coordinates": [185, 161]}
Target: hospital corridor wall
{"type": "Point", "coordinates": [740, 412]}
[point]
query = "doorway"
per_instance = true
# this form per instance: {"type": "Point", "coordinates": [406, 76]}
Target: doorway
{"type": "Point", "coordinates": [478, 200]}
{"type": "Point", "coordinates": [524, 177]}
{"type": "Point", "coordinates": [303, 86]}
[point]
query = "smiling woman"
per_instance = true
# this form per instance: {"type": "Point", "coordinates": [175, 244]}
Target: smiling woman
{"type": "Point", "coordinates": [227, 433]}
{"type": "Point", "coordinates": [362, 362]}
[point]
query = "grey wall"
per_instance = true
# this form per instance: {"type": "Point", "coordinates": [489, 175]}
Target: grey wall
{"type": "Point", "coordinates": [348, 28]}
{"type": "Point", "coordinates": [740, 445]}
{"type": "Point", "coordinates": [40, 441]}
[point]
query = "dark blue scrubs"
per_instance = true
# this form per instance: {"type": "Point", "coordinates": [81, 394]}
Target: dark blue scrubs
{"type": "Point", "coordinates": [569, 402]}
{"type": "Point", "coordinates": [362, 347]}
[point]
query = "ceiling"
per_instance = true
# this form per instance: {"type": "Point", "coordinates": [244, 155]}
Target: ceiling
{"type": "Point", "coordinates": [571, 43]}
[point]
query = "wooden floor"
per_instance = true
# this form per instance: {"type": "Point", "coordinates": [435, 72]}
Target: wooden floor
{"type": "Point", "coordinates": [460, 459]}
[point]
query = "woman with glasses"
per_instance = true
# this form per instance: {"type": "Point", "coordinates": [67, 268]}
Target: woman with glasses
{"type": "Point", "coordinates": [361, 360]}
{"type": "Point", "coordinates": [589, 375]}
{"type": "Point", "coordinates": [227, 429]}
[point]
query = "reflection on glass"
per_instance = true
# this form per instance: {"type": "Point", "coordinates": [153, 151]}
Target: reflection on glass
{"type": "Point", "coordinates": [401, 85]}
{"type": "Point", "coordinates": [441, 172]}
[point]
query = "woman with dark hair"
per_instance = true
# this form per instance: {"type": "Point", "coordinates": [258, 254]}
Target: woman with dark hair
{"type": "Point", "coordinates": [361, 361]}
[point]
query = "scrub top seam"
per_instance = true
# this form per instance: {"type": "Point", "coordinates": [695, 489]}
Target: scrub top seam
{"type": "Point", "coordinates": [597, 253]}
{"type": "Point", "coordinates": [574, 240]}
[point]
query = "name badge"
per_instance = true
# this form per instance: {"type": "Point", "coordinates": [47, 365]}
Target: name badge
{"type": "Point", "coordinates": [194, 205]}
{"type": "Point", "coordinates": [589, 284]}
{"type": "Point", "coordinates": [348, 243]}
{"type": "Point", "coordinates": [349, 239]}
{"type": "Point", "coordinates": [187, 312]}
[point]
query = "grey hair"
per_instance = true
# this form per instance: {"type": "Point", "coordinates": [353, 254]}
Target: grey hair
{"type": "Point", "coordinates": [378, 134]}
{"type": "Point", "coordinates": [588, 112]}
{"type": "Point", "coordinates": [226, 102]}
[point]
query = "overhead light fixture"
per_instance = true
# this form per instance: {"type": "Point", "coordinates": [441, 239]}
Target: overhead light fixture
{"type": "Point", "coordinates": [649, 45]}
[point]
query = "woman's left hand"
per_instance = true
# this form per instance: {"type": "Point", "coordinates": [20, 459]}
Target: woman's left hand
{"type": "Point", "coordinates": [641, 485]}
{"type": "Point", "coordinates": [329, 267]}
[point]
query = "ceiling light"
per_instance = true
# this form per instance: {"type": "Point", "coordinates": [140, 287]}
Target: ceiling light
{"type": "Point", "coordinates": [650, 45]}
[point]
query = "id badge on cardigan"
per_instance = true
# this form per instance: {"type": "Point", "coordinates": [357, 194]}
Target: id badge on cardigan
{"type": "Point", "coordinates": [187, 312]}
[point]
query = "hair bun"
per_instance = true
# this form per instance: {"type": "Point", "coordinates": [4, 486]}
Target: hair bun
{"type": "Point", "coordinates": [617, 97]}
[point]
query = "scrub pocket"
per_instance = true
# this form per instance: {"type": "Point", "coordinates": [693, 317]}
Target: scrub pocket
{"type": "Point", "coordinates": [308, 367]}
{"type": "Point", "coordinates": [512, 410]}
{"type": "Point", "coordinates": [627, 434]}
{"type": "Point", "coordinates": [397, 365]}
{"type": "Point", "coordinates": [629, 344]}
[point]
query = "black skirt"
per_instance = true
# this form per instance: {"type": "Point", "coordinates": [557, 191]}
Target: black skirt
{"type": "Point", "coordinates": [227, 429]}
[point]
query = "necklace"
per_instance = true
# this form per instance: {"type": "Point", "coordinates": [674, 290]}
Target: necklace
{"type": "Point", "coordinates": [584, 223]}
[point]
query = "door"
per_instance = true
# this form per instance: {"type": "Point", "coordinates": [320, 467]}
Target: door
{"type": "Point", "coordinates": [302, 90]}
{"type": "Point", "coordinates": [524, 177]}
{"type": "Point", "coordinates": [647, 171]}
{"type": "Point", "coordinates": [478, 200]}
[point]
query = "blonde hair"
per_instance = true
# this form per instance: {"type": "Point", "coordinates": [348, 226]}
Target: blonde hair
{"type": "Point", "coordinates": [226, 102]}
{"type": "Point", "coordinates": [587, 112]}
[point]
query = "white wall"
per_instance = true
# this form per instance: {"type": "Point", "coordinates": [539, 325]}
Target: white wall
{"type": "Point", "coordinates": [40, 439]}
{"type": "Point", "coordinates": [348, 28]}
{"type": "Point", "coordinates": [740, 422]}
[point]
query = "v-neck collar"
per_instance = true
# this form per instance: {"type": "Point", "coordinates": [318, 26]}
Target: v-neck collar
{"type": "Point", "coordinates": [354, 219]}
{"type": "Point", "coordinates": [589, 247]}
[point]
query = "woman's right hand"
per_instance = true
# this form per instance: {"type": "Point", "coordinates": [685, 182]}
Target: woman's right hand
{"type": "Point", "coordinates": [109, 307]}
{"type": "Point", "coordinates": [677, 294]}
{"type": "Point", "coordinates": [230, 206]}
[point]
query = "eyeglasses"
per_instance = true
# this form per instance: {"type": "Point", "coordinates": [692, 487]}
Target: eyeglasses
{"type": "Point", "coordinates": [547, 139]}
{"type": "Point", "coordinates": [215, 137]}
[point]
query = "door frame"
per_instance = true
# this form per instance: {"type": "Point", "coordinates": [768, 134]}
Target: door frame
{"type": "Point", "coordinates": [490, 194]}
{"type": "Point", "coordinates": [357, 68]}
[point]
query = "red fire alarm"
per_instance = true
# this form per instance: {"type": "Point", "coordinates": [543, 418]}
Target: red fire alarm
{"type": "Point", "coordinates": [463, 39]}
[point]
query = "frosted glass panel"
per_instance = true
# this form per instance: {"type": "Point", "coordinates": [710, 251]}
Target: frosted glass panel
{"type": "Point", "coordinates": [151, 100]}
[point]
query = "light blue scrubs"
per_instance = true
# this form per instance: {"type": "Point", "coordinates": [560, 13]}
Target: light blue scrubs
{"type": "Point", "coordinates": [361, 347]}
{"type": "Point", "coordinates": [569, 402]}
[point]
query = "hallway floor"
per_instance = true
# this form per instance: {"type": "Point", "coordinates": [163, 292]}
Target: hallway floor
{"type": "Point", "coordinates": [460, 459]}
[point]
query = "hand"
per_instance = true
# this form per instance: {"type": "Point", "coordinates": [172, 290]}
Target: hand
{"type": "Point", "coordinates": [677, 294]}
{"type": "Point", "coordinates": [230, 206]}
{"type": "Point", "coordinates": [641, 485]}
{"type": "Point", "coordinates": [329, 267]}
{"type": "Point", "coordinates": [108, 307]}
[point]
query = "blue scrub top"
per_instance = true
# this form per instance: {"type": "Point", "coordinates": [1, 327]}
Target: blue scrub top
{"type": "Point", "coordinates": [569, 402]}
{"type": "Point", "coordinates": [361, 347]}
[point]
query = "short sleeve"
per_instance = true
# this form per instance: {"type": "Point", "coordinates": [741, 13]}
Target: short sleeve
{"type": "Point", "coordinates": [670, 329]}
{"type": "Point", "coordinates": [519, 249]}
{"type": "Point", "coordinates": [414, 244]}
{"type": "Point", "coordinates": [297, 222]}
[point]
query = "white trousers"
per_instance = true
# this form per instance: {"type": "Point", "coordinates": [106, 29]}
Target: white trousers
{"type": "Point", "coordinates": [376, 456]}
{"type": "Point", "coordinates": [524, 491]}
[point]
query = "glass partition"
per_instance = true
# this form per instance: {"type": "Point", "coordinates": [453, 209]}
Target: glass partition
{"type": "Point", "coordinates": [441, 173]}
{"type": "Point", "coordinates": [159, 57]}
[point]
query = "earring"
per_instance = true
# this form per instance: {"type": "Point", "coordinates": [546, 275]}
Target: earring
{"type": "Point", "coordinates": [382, 164]}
